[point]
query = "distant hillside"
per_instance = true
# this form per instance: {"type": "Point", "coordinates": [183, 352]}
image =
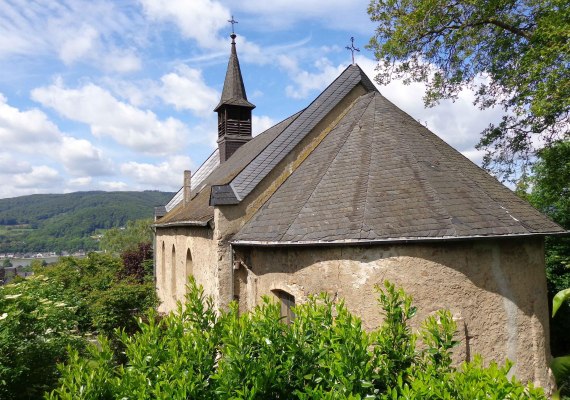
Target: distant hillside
{"type": "Point", "coordinates": [56, 222]}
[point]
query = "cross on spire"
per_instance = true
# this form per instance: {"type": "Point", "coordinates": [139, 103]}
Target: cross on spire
{"type": "Point", "coordinates": [233, 22]}
{"type": "Point", "coordinates": [352, 48]}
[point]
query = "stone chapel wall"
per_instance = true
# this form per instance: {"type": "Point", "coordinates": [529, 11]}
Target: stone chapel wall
{"type": "Point", "coordinates": [496, 289]}
{"type": "Point", "coordinates": [181, 252]}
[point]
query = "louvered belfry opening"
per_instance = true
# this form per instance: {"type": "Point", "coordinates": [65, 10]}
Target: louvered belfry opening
{"type": "Point", "coordinates": [234, 111]}
{"type": "Point", "coordinates": [234, 129]}
{"type": "Point", "coordinates": [234, 122]}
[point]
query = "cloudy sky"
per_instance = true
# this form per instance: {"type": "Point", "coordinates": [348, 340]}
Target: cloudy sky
{"type": "Point", "coordinates": [118, 95]}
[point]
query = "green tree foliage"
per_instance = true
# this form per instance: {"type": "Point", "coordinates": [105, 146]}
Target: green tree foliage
{"type": "Point", "coordinates": [561, 365]}
{"type": "Point", "coordinates": [128, 238]}
{"type": "Point", "coordinates": [60, 307]}
{"type": "Point", "coordinates": [38, 321]}
{"type": "Point", "coordinates": [550, 193]}
{"type": "Point", "coordinates": [324, 353]}
{"type": "Point", "coordinates": [515, 54]}
{"type": "Point", "coordinates": [58, 222]}
{"type": "Point", "coordinates": [109, 297]}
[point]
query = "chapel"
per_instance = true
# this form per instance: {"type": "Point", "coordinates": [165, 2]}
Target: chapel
{"type": "Point", "coordinates": [343, 195]}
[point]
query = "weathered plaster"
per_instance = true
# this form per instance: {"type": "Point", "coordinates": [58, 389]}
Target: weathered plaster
{"type": "Point", "coordinates": [496, 290]}
{"type": "Point", "coordinates": [172, 287]}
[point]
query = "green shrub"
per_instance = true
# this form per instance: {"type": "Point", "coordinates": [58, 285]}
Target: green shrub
{"type": "Point", "coordinates": [51, 314]}
{"type": "Point", "coordinates": [196, 353]}
{"type": "Point", "coordinates": [38, 322]}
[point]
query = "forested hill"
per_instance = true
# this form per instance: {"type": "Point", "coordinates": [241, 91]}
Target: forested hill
{"type": "Point", "coordinates": [56, 222]}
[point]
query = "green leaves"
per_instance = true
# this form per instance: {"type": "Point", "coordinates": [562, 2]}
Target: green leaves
{"type": "Point", "coordinates": [324, 353]}
{"type": "Point", "coordinates": [561, 368]}
{"type": "Point", "coordinates": [561, 297]}
{"type": "Point", "coordinates": [514, 54]}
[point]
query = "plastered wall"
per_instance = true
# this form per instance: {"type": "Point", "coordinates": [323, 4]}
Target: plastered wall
{"type": "Point", "coordinates": [496, 290]}
{"type": "Point", "coordinates": [181, 252]}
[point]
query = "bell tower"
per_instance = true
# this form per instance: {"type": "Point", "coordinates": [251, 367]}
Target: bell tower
{"type": "Point", "coordinates": [234, 111]}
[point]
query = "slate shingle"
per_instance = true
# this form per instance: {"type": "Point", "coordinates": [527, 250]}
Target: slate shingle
{"type": "Point", "coordinates": [379, 176]}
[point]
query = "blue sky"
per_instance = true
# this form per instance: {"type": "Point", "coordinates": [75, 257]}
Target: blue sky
{"type": "Point", "coordinates": [118, 95]}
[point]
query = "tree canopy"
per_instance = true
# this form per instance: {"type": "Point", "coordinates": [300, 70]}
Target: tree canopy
{"type": "Point", "coordinates": [514, 54]}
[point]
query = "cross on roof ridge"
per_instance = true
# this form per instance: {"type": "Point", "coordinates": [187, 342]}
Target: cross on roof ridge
{"type": "Point", "coordinates": [352, 48]}
{"type": "Point", "coordinates": [233, 22]}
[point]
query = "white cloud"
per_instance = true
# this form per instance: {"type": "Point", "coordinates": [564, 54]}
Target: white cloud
{"type": "Point", "coordinates": [186, 89]}
{"type": "Point", "coordinates": [121, 61]}
{"type": "Point", "coordinates": [80, 182]}
{"type": "Point", "coordinates": [25, 131]}
{"type": "Point", "coordinates": [165, 176]}
{"type": "Point", "coordinates": [307, 82]}
{"type": "Point", "coordinates": [74, 30]}
{"type": "Point", "coordinates": [80, 158]}
{"type": "Point", "coordinates": [139, 130]}
{"type": "Point", "coordinates": [31, 132]}
{"type": "Point", "coordinates": [282, 14]}
{"type": "Point", "coordinates": [9, 165]}
{"type": "Point", "coordinates": [113, 185]}
{"type": "Point", "coordinates": [261, 123]}
{"type": "Point", "coordinates": [39, 177]}
{"type": "Point", "coordinates": [197, 19]}
{"type": "Point", "coordinates": [78, 44]}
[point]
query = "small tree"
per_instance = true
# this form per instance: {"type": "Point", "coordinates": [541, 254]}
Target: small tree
{"type": "Point", "coordinates": [119, 240]}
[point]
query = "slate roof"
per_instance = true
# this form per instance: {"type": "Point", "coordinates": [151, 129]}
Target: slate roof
{"type": "Point", "coordinates": [197, 181]}
{"type": "Point", "coordinates": [253, 173]}
{"type": "Point", "coordinates": [234, 89]}
{"type": "Point", "coordinates": [380, 176]}
{"type": "Point", "coordinates": [198, 211]}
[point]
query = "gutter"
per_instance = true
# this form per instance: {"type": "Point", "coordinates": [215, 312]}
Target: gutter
{"type": "Point", "coordinates": [361, 242]}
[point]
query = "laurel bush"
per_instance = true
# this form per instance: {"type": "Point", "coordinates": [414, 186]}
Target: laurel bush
{"type": "Point", "coordinates": [197, 353]}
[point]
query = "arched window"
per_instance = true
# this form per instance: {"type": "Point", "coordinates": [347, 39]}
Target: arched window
{"type": "Point", "coordinates": [173, 273]}
{"type": "Point", "coordinates": [287, 301]}
{"type": "Point", "coordinates": [189, 265]}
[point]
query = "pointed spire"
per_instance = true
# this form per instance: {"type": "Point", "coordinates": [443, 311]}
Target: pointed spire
{"type": "Point", "coordinates": [234, 111]}
{"type": "Point", "coordinates": [234, 89]}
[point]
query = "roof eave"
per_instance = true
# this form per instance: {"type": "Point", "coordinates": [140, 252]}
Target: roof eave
{"type": "Point", "coordinates": [234, 102]}
{"type": "Point", "coordinates": [181, 223]}
{"type": "Point", "coordinates": [402, 240]}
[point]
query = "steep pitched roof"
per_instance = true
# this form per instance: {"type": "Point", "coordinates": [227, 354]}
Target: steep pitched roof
{"type": "Point", "coordinates": [380, 176]}
{"type": "Point", "coordinates": [198, 211]}
{"type": "Point", "coordinates": [234, 89]}
{"type": "Point", "coordinates": [255, 159]}
{"type": "Point", "coordinates": [254, 172]}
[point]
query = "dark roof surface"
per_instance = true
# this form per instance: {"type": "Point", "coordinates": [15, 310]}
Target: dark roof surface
{"type": "Point", "coordinates": [234, 89]}
{"type": "Point", "coordinates": [199, 211]}
{"type": "Point", "coordinates": [381, 176]}
{"type": "Point", "coordinates": [254, 172]}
